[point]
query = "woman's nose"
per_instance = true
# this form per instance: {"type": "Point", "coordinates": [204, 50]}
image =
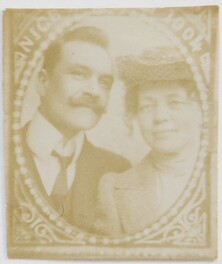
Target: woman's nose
{"type": "Point", "coordinates": [161, 112]}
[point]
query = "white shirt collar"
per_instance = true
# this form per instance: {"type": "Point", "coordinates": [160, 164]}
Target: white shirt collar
{"type": "Point", "coordinates": [43, 138]}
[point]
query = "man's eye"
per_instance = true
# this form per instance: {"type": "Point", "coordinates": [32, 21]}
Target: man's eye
{"type": "Point", "coordinates": [79, 74]}
{"type": "Point", "coordinates": [106, 83]}
{"type": "Point", "coordinates": [176, 103]}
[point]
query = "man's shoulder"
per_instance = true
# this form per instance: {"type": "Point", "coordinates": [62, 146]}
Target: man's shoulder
{"type": "Point", "coordinates": [134, 177]}
{"type": "Point", "coordinates": [104, 153]}
{"type": "Point", "coordinates": [106, 157]}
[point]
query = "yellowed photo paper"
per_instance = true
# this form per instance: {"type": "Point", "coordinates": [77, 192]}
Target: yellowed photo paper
{"type": "Point", "coordinates": [111, 133]}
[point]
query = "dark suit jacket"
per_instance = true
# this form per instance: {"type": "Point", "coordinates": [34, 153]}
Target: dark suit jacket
{"type": "Point", "coordinates": [92, 164]}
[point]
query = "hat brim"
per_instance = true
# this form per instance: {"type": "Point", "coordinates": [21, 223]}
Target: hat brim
{"type": "Point", "coordinates": [134, 71]}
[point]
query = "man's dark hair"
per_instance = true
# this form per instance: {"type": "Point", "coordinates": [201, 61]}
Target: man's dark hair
{"type": "Point", "coordinates": [87, 34]}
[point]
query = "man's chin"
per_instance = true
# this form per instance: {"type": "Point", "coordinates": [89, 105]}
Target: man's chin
{"type": "Point", "coordinates": [85, 123]}
{"type": "Point", "coordinates": [85, 110]}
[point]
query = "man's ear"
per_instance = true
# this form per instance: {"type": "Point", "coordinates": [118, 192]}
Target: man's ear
{"type": "Point", "coordinates": [43, 78]}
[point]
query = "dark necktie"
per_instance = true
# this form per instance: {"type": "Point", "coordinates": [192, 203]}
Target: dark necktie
{"type": "Point", "coordinates": [60, 188]}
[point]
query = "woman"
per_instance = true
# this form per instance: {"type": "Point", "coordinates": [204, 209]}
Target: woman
{"type": "Point", "coordinates": [162, 97]}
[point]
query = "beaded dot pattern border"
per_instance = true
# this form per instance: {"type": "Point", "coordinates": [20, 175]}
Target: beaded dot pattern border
{"type": "Point", "coordinates": [39, 201]}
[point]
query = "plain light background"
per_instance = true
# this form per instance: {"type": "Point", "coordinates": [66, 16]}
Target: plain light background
{"type": "Point", "coordinates": [91, 4]}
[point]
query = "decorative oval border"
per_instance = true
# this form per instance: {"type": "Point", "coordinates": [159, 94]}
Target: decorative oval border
{"type": "Point", "coordinates": [63, 24]}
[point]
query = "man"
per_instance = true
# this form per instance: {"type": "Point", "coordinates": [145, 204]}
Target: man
{"type": "Point", "coordinates": [76, 79]}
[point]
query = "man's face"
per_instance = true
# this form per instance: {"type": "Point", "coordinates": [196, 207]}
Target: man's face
{"type": "Point", "coordinates": [168, 118]}
{"type": "Point", "coordinates": [76, 91]}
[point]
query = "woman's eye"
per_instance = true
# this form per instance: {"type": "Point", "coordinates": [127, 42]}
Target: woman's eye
{"type": "Point", "coordinates": [144, 107]}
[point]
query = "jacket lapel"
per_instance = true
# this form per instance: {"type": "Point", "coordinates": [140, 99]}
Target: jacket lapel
{"type": "Point", "coordinates": [85, 187]}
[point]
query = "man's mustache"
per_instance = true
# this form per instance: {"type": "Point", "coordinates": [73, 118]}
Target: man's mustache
{"type": "Point", "coordinates": [88, 101]}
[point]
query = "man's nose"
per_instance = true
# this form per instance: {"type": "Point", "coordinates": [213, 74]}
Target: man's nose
{"type": "Point", "coordinates": [161, 112]}
{"type": "Point", "coordinates": [94, 87]}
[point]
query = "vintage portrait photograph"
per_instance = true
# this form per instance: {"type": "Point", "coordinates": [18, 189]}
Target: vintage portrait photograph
{"type": "Point", "coordinates": [110, 131]}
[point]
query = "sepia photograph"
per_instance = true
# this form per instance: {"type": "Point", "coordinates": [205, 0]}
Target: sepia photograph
{"type": "Point", "coordinates": [110, 132]}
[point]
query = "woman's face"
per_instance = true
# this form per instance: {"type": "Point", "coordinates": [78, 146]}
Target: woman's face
{"type": "Point", "coordinates": [169, 119]}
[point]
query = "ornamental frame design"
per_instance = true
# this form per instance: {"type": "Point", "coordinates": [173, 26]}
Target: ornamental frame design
{"type": "Point", "coordinates": [187, 230]}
